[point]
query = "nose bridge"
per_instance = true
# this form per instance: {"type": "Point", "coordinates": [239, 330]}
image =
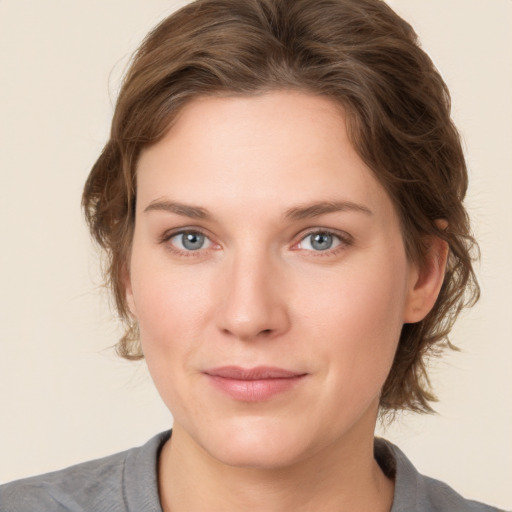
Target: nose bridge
{"type": "Point", "coordinates": [253, 302]}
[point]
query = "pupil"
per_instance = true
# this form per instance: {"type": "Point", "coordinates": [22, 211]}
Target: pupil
{"type": "Point", "coordinates": [321, 241]}
{"type": "Point", "coordinates": [193, 241]}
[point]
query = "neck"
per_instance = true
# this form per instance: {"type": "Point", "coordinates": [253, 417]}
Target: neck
{"type": "Point", "coordinates": [344, 477]}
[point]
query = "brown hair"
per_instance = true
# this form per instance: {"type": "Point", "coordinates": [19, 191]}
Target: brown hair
{"type": "Point", "coordinates": [358, 53]}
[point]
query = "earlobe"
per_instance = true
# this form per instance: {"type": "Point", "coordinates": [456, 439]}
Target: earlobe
{"type": "Point", "coordinates": [425, 281]}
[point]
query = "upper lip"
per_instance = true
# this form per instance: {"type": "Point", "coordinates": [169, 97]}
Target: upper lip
{"type": "Point", "coordinates": [257, 373]}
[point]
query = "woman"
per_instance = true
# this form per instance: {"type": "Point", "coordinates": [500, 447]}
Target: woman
{"type": "Point", "coordinates": [281, 204]}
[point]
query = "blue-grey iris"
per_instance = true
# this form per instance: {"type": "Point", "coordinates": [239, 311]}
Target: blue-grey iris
{"type": "Point", "coordinates": [192, 241]}
{"type": "Point", "coordinates": [321, 241]}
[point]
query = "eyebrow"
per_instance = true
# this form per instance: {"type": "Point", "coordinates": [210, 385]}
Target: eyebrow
{"type": "Point", "coordinates": [194, 212]}
{"type": "Point", "coordinates": [301, 212]}
{"type": "Point", "coordinates": [321, 208]}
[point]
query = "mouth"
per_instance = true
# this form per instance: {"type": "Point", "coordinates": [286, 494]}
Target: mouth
{"type": "Point", "coordinates": [253, 384]}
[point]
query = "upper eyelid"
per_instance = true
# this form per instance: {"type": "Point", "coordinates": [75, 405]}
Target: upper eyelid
{"type": "Point", "coordinates": [342, 235]}
{"type": "Point", "coordinates": [346, 241]}
{"type": "Point", "coordinates": [169, 233]}
{"type": "Point", "coordinates": [165, 238]}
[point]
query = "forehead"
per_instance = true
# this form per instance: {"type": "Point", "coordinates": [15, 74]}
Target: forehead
{"type": "Point", "coordinates": [278, 148]}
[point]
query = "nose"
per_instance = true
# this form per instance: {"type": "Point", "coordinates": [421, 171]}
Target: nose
{"type": "Point", "coordinates": [253, 301]}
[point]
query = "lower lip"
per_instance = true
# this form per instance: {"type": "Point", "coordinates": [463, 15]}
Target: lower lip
{"type": "Point", "coordinates": [257, 390]}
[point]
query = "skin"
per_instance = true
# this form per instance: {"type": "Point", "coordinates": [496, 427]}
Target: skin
{"type": "Point", "coordinates": [258, 292]}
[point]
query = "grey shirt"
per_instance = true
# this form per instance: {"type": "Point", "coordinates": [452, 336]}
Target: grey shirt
{"type": "Point", "coordinates": [127, 481]}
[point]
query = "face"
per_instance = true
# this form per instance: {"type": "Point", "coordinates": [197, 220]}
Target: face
{"type": "Point", "coordinates": [268, 277]}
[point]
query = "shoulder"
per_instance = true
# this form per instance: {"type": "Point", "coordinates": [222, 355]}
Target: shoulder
{"type": "Point", "coordinates": [68, 489]}
{"type": "Point", "coordinates": [414, 491]}
{"type": "Point", "coordinates": [120, 482]}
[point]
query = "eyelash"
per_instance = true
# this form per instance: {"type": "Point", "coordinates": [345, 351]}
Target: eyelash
{"type": "Point", "coordinates": [345, 240]}
{"type": "Point", "coordinates": [168, 235]}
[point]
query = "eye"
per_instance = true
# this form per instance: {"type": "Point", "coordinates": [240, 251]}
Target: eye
{"type": "Point", "coordinates": [321, 241]}
{"type": "Point", "coordinates": [190, 241]}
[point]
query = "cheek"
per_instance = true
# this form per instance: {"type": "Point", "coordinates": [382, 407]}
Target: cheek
{"type": "Point", "coordinates": [358, 320]}
{"type": "Point", "coordinates": [171, 303]}
{"type": "Point", "coordinates": [171, 310]}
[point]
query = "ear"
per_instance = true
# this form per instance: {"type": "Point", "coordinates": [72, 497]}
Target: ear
{"type": "Point", "coordinates": [426, 279]}
{"type": "Point", "coordinates": [128, 291]}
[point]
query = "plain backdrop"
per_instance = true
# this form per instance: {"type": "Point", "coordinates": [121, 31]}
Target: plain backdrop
{"type": "Point", "coordinates": [64, 396]}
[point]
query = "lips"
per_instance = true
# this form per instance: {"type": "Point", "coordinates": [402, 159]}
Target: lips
{"type": "Point", "coordinates": [253, 384]}
{"type": "Point", "coordinates": [260, 372]}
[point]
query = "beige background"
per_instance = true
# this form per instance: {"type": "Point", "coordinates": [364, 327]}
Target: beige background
{"type": "Point", "coordinates": [64, 396]}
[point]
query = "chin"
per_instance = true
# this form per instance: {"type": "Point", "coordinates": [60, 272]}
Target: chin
{"type": "Point", "coordinates": [264, 443]}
